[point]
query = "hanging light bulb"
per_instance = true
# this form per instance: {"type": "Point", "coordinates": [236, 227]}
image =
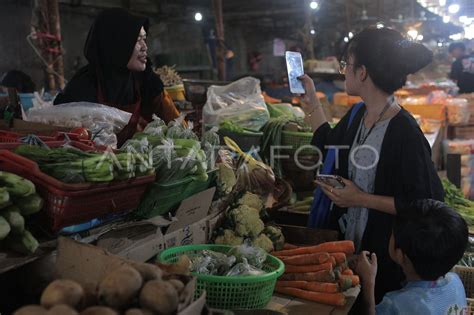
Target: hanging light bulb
{"type": "Point", "coordinates": [454, 8]}
{"type": "Point", "coordinates": [351, 34]}
{"type": "Point", "coordinates": [198, 16]}
{"type": "Point", "coordinates": [346, 39]}
{"type": "Point", "coordinates": [446, 19]}
{"type": "Point", "coordinates": [440, 44]}
{"type": "Point", "coordinates": [380, 25]}
{"type": "Point", "coordinates": [313, 5]}
{"type": "Point", "coordinates": [419, 37]}
{"type": "Point", "coordinates": [442, 3]}
{"type": "Point", "coordinates": [312, 31]}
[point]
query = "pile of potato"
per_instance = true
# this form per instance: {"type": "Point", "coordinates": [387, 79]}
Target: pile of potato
{"type": "Point", "coordinates": [132, 289]}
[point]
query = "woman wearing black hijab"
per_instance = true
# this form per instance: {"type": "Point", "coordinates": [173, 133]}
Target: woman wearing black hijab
{"type": "Point", "coordinates": [119, 73]}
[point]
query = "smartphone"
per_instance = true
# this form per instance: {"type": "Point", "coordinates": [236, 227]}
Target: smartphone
{"type": "Point", "coordinates": [331, 180]}
{"type": "Point", "coordinates": [294, 65]}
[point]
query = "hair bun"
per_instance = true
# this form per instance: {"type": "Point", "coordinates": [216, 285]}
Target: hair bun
{"type": "Point", "coordinates": [414, 56]}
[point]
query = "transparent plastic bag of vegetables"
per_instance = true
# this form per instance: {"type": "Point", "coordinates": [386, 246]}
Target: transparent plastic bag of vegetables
{"type": "Point", "coordinates": [254, 255]}
{"type": "Point", "coordinates": [136, 146]}
{"type": "Point", "coordinates": [178, 129]}
{"type": "Point", "coordinates": [244, 268]}
{"type": "Point", "coordinates": [163, 154]}
{"type": "Point", "coordinates": [252, 175]}
{"type": "Point", "coordinates": [226, 175]}
{"type": "Point", "coordinates": [156, 128]}
{"type": "Point", "coordinates": [214, 263]}
{"type": "Point", "coordinates": [210, 143]}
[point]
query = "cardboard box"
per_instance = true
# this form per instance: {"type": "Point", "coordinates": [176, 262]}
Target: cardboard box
{"type": "Point", "coordinates": [144, 240]}
{"type": "Point", "coordinates": [138, 241]}
{"type": "Point", "coordinates": [191, 223]}
{"type": "Point", "coordinates": [88, 264]}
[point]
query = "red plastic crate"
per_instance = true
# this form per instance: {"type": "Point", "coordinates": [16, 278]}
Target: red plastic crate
{"type": "Point", "coordinates": [14, 137]}
{"type": "Point", "coordinates": [71, 204]}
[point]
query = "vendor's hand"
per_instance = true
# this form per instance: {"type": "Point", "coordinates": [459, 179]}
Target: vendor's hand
{"type": "Point", "coordinates": [367, 270]}
{"type": "Point", "coordinates": [309, 100]}
{"type": "Point", "coordinates": [349, 196]}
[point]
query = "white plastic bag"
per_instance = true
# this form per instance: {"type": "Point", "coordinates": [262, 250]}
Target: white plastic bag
{"type": "Point", "coordinates": [103, 121]}
{"type": "Point", "coordinates": [241, 102]}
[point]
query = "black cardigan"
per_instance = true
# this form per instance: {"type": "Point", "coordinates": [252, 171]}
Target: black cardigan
{"type": "Point", "coordinates": [405, 171]}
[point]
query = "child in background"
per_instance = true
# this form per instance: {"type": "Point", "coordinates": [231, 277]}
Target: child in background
{"type": "Point", "coordinates": [426, 243]}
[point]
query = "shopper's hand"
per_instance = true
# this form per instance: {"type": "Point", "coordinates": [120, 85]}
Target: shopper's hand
{"type": "Point", "coordinates": [367, 270]}
{"type": "Point", "coordinates": [309, 100]}
{"type": "Point", "coordinates": [349, 196]}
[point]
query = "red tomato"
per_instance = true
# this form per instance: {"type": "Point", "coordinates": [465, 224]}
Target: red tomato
{"type": "Point", "coordinates": [82, 133]}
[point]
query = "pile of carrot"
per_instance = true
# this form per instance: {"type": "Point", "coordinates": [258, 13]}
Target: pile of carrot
{"type": "Point", "coordinates": [317, 273]}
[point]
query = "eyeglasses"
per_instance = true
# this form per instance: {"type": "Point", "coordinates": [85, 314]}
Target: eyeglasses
{"type": "Point", "coordinates": [343, 65]}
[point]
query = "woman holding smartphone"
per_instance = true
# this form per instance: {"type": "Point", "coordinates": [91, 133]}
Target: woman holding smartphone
{"type": "Point", "coordinates": [384, 159]}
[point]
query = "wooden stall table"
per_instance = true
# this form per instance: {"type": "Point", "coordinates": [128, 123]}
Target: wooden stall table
{"type": "Point", "coordinates": [294, 306]}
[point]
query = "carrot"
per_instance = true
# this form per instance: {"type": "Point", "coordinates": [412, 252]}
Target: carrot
{"type": "Point", "coordinates": [307, 268]}
{"type": "Point", "coordinates": [320, 276]}
{"type": "Point", "coordinates": [340, 257]}
{"type": "Point", "coordinates": [346, 247]}
{"type": "Point", "coordinates": [348, 272]}
{"type": "Point", "coordinates": [336, 299]}
{"type": "Point", "coordinates": [353, 279]}
{"type": "Point", "coordinates": [333, 261]}
{"type": "Point", "coordinates": [310, 286]}
{"type": "Point", "coordinates": [289, 246]}
{"type": "Point", "coordinates": [309, 259]}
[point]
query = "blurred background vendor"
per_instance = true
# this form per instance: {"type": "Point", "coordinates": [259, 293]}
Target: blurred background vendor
{"type": "Point", "coordinates": [119, 73]}
{"type": "Point", "coordinates": [462, 69]}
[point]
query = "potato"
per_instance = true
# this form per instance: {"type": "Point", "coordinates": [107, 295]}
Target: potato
{"type": "Point", "coordinates": [148, 271]}
{"type": "Point", "coordinates": [62, 291]}
{"type": "Point", "coordinates": [160, 297]}
{"type": "Point", "coordinates": [61, 310]}
{"type": "Point", "coordinates": [137, 311]}
{"type": "Point", "coordinates": [90, 296]}
{"type": "Point", "coordinates": [119, 288]}
{"type": "Point", "coordinates": [31, 310]}
{"type": "Point", "coordinates": [99, 310]}
{"type": "Point", "coordinates": [178, 285]}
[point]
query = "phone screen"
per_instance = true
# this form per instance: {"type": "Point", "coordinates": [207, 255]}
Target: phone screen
{"type": "Point", "coordinates": [294, 65]}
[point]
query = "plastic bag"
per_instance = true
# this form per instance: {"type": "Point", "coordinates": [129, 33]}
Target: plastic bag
{"type": "Point", "coordinates": [101, 120]}
{"type": "Point", "coordinates": [210, 144]}
{"type": "Point", "coordinates": [212, 263]}
{"type": "Point", "coordinates": [241, 102]}
{"type": "Point", "coordinates": [255, 256]}
{"type": "Point", "coordinates": [244, 269]}
{"type": "Point", "coordinates": [136, 146]}
{"type": "Point", "coordinates": [178, 130]}
{"type": "Point", "coordinates": [458, 111]}
{"type": "Point", "coordinates": [156, 128]}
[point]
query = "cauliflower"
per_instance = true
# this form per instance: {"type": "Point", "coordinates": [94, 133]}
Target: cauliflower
{"type": "Point", "coordinates": [275, 235]}
{"type": "Point", "coordinates": [251, 200]}
{"type": "Point", "coordinates": [246, 221]}
{"type": "Point", "coordinates": [226, 178]}
{"type": "Point", "coordinates": [263, 242]}
{"type": "Point", "coordinates": [229, 238]}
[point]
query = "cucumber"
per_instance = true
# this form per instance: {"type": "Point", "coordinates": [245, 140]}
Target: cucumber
{"type": "Point", "coordinates": [30, 204]}
{"type": "Point", "coordinates": [24, 243]}
{"type": "Point", "coordinates": [4, 228]}
{"type": "Point", "coordinates": [4, 198]}
{"type": "Point", "coordinates": [14, 219]}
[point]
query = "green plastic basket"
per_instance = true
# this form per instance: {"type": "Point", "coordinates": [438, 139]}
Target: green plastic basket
{"type": "Point", "coordinates": [297, 140]}
{"type": "Point", "coordinates": [246, 141]}
{"type": "Point", "coordinates": [161, 198]}
{"type": "Point", "coordinates": [230, 293]}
